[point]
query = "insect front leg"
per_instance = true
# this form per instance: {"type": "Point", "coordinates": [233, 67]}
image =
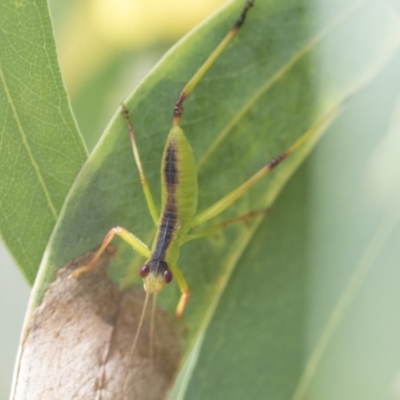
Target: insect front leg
{"type": "Point", "coordinates": [183, 286]}
{"type": "Point", "coordinates": [125, 235]}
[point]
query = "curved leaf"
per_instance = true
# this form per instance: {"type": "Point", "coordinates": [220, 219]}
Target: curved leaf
{"type": "Point", "coordinates": [248, 284]}
{"type": "Point", "coordinates": [41, 150]}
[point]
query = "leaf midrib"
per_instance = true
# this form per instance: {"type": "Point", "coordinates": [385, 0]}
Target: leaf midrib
{"type": "Point", "coordinates": [51, 206]}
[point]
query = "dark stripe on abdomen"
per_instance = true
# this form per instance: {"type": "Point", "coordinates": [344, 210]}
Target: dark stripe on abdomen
{"type": "Point", "coordinates": [170, 168]}
{"type": "Point", "coordinates": [169, 218]}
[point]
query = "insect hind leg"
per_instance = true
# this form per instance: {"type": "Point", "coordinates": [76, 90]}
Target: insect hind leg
{"type": "Point", "coordinates": [223, 224]}
{"type": "Point", "coordinates": [125, 235]}
{"type": "Point", "coordinates": [178, 109]}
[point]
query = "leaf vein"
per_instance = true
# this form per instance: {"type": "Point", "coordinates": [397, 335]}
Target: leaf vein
{"type": "Point", "coordinates": [35, 165]}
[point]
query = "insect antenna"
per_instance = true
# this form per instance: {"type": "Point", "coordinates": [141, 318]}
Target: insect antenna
{"type": "Point", "coordinates": [152, 327]}
{"type": "Point", "coordinates": [135, 340]}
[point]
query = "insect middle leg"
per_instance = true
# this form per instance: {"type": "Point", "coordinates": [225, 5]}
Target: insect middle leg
{"type": "Point", "coordinates": [310, 136]}
{"type": "Point", "coordinates": [145, 186]}
{"type": "Point", "coordinates": [125, 235]}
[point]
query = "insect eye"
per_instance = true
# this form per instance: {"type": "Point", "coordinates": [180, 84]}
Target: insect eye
{"type": "Point", "coordinates": [144, 271]}
{"type": "Point", "coordinates": [167, 276]}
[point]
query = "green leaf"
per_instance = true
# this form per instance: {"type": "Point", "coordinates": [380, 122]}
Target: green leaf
{"type": "Point", "coordinates": [41, 150]}
{"type": "Point", "coordinates": [249, 310]}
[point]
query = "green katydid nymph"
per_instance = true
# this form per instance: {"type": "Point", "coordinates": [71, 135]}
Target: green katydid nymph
{"type": "Point", "coordinates": [178, 214]}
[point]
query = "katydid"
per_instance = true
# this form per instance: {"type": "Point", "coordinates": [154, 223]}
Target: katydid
{"type": "Point", "coordinates": [177, 216]}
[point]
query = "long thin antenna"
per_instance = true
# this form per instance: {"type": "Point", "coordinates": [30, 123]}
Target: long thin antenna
{"type": "Point", "coordinates": [135, 340]}
{"type": "Point", "coordinates": [152, 327]}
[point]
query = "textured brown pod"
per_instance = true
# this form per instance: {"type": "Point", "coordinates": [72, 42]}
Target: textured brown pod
{"type": "Point", "coordinates": [78, 342]}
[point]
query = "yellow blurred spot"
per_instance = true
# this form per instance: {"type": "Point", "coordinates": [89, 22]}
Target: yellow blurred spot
{"type": "Point", "coordinates": [141, 22]}
{"type": "Point", "coordinates": [95, 31]}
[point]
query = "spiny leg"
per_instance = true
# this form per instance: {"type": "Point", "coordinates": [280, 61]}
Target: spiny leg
{"type": "Point", "coordinates": [310, 135]}
{"type": "Point", "coordinates": [223, 224]}
{"type": "Point", "coordinates": [183, 286]}
{"type": "Point", "coordinates": [178, 110]}
{"type": "Point", "coordinates": [146, 188]}
{"type": "Point", "coordinates": [125, 235]}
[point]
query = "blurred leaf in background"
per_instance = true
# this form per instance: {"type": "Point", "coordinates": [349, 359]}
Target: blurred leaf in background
{"type": "Point", "coordinates": [106, 47]}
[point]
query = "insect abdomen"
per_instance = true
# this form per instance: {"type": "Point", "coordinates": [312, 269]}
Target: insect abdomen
{"type": "Point", "coordinates": [179, 191]}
